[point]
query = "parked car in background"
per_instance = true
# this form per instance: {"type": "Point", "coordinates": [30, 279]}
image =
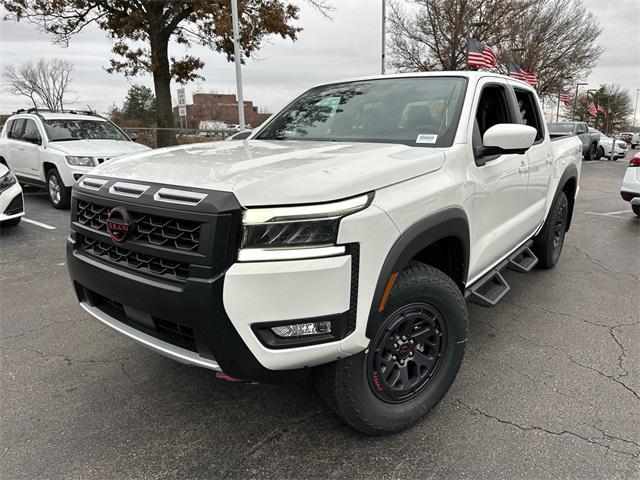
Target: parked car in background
{"type": "Point", "coordinates": [11, 201]}
{"type": "Point", "coordinates": [632, 138]}
{"type": "Point", "coordinates": [605, 144]}
{"type": "Point", "coordinates": [630, 190]}
{"type": "Point", "coordinates": [338, 242]}
{"type": "Point", "coordinates": [53, 149]}
{"type": "Point", "coordinates": [581, 129]}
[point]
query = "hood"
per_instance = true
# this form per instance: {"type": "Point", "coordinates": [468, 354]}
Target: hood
{"type": "Point", "coordinates": [262, 172]}
{"type": "Point", "coordinates": [97, 148]}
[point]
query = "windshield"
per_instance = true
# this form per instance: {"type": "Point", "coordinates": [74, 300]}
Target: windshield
{"type": "Point", "coordinates": [71, 129]}
{"type": "Point", "coordinates": [561, 127]}
{"type": "Point", "coordinates": [419, 111]}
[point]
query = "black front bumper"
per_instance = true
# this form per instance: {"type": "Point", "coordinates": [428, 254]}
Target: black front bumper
{"type": "Point", "coordinates": [183, 312]}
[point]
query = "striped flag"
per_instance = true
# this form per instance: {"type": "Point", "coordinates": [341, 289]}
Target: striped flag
{"type": "Point", "coordinates": [564, 96]}
{"type": "Point", "coordinates": [516, 71]}
{"type": "Point", "coordinates": [600, 108]}
{"type": "Point", "coordinates": [481, 55]}
{"type": "Point", "coordinates": [591, 108]}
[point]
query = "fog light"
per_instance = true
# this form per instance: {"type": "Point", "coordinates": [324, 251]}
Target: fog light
{"type": "Point", "coordinates": [302, 329]}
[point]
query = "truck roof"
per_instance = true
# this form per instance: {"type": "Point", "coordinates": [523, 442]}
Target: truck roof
{"type": "Point", "coordinates": [60, 116]}
{"type": "Point", "coordinates": [470, 74]}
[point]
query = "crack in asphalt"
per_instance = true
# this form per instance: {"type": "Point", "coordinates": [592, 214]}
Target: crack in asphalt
{"type": "Point", "coordinates": [610, 328]}
{"type": "Point", "coordinates": [269, 437]}
{"type": "Point", "coordinates": [597, 263]}
{"type": "Point", "coordinates": [38, 329]}
{"type": "Point", "coordinates": [70, 360]}
{"type": "Point", "coordinates": [561, 433]}
{"type": "Point", "coordinates": [575, 362]}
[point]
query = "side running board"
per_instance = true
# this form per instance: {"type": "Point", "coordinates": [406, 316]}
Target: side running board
{"type": "Point", "coordinates": [491, 288]}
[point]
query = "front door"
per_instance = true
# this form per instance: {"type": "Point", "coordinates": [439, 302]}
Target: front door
{"type": "Point", "coordinates": [500, 205]}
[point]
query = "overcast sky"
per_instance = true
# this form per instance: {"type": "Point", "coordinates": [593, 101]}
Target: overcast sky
{"type": "Point", "coordinates": [347, 46]}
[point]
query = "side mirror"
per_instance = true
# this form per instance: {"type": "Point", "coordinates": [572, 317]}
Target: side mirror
{"type": "Point", "coordinates": [506, 138]}
{"type": "Point", "coordinates": [240, 135]}
{"type": "Point", "coordinates": [133, 137]}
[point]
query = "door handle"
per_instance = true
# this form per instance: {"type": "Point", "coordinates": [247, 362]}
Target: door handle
{"type": "Point", "coordinates": [523, 168]}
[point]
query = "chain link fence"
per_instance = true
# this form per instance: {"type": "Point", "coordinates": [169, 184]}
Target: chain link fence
{"type": "Point", "coordinates": [149, 135]}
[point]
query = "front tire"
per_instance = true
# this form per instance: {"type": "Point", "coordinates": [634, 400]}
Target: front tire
{"type": "Point", "coordinates": [59, 195]}
{"type": "Point", "coordinates": [412, 360]}
{"type": "Point", "coordinates": [600, 152]}
{"type": "Point", "coordinates": [549, 242]}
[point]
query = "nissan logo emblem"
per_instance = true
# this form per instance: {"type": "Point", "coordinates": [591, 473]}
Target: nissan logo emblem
{"type": "Point", "coordinates": [119, 224]}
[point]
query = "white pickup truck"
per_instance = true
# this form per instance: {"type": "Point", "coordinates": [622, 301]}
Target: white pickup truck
{"type": "Point", "coordinates": [340, 241]}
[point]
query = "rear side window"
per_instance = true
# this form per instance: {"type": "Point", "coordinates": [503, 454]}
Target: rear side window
{"type": "Point", "coordinates": [529, 112]}
{"type": "Point", "coordinates": [17, 129]}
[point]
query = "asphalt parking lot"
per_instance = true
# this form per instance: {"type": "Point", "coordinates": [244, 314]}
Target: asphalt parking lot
{"type": "Point", "coordinates": [549, 388]}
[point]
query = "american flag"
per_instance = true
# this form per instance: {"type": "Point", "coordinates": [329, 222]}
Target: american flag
{"type": "Point", "coordinates": [591, 108]}
{"type": "Point", "coordinates": [516, 71]}
{"type": "Point", "coordinates": [564, 96]}
{"type": "Point", "coordinates": [481, 55]}
{"type": "Point", "coordinates": [600, 108]}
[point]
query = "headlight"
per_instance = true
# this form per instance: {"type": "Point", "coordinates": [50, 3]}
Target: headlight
{"type": "Point", "coordinates": [6, 181]}
{"type": "Point", "coordinates": [81, 161]}
{"type": "Point", "coordinates": [296, 232]}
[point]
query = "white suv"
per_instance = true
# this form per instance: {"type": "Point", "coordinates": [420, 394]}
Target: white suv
{"type": "Point", "coordinates": [54, 149]}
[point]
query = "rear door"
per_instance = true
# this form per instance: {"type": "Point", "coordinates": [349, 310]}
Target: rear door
{"type": "Point", "coordinates": [500, 206]}
{"type": "Point", "coordinates": [539, 156]}
{"type": "Point", "coordinates": [15, 147]}
{"type": "Point", "coordinates": [25, 141]}
{"type": "Point", "coordinates": [583, 132]}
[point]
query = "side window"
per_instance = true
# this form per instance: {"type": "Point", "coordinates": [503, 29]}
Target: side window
{"type": "Point", "coordinates": [582, 128]}
{"type": "Point", "coordinates": [493, 108]}
{"type": "Point", "coordinates": [31, 133]}
{"type": "Point", "coordinates": [17, 129]}
{"type": "Point", "coordinates": [529, 112]}
{"type": "Point", "coordinates": [7, 128]}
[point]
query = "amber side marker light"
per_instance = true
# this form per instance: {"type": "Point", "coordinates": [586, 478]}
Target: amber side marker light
{"type": "Point", "coordinates": [387, 291]}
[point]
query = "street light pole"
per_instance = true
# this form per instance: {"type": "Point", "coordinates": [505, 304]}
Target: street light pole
{"type": "Point", "coordinates": [635, 109]}
{"type": "Point", "coordinates": [384, 33]}
{"type": "Point", "coordinates": [575, 101]}
{"type": "Point", "coordinates": [237, 55]}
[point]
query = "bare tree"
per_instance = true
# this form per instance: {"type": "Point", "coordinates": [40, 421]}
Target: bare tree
{"type": "Point", "coordinates": [45, 83]}
{"type": "Point", "coordinates": [432, 34]}
{"type": "Point", "coordinates": [616, 108]}
{"type": "Point", "coordinates": [555, 38]}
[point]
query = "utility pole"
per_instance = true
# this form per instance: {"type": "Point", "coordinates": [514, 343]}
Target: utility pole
{"type": "Point", "coordinates": [237, 55]}
{"type": "Point", "coordinates": [575, 101]}
{"type": "Point", "coordinates": [384, 33]}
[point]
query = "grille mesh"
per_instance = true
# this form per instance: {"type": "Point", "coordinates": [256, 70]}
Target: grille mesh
{"type": "Point", "coordinates": [124, 256]}
{"type": "Point", "coordinates": [182, 235]}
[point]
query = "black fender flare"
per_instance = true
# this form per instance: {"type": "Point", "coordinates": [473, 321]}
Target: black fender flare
{"type": "Point", "coordinates": [450, 222]}
{"type": "Point", "coordinates": [570, 173]}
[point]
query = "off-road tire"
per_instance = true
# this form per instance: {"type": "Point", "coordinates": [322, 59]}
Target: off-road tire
{"type": "Point", "coordinates": [549, 242]}
{"type": "Point", "coordinates": [346, 384]}
{"type": "Point", "coordinates": [60, 199]}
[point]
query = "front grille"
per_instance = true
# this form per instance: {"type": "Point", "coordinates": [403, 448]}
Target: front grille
{"type": "Point", "coordinates": [170, 332]}
{"type": "Point", "coordinates": [139, 261]}
{"type": "Point", "coordinates": [15, 206]}
{"type": "Point", "coordinates": [180, 235]}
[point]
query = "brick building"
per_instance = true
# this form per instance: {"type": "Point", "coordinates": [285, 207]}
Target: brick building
{"type": "Point", "coordinates": [219, 107]}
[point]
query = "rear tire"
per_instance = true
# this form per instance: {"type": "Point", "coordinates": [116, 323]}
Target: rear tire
{"type": "Point", "coordinates": [600, 152]}
{"type": "Point", "coordinates": [548, 244]}
{"type": "Point", "coordinates": [59, 195]}
{"type": "Point", "coordinates": [636, 209]}
{"type": "Point", "coordinates": [411, 362]}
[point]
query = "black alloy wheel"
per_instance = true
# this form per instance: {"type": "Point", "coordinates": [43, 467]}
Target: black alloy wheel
{"type": "Point", "coordinates": [406, 353]}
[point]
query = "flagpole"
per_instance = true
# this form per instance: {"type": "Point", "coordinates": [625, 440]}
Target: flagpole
{"type": "Point", "coordinates": [384, 33]}
{"type": "Point", "coordinates": [238, 60]}
{"type": "Point", "coordinates": [558, 108]}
